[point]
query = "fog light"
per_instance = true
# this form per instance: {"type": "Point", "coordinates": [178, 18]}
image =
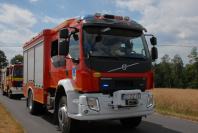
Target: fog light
{"type": "Point", "coordinates": [150, 100]}
{"type": "Point", "coordinates": [93, 103]}
{"type": "Point", "coordinates": [86, 111]}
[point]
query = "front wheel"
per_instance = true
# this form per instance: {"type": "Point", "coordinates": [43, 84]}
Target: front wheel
{"type": "Point", "coordinates": [10, 95]}
{"type": "Point", "coordinates": [131, 122]}
{"type": "Point", "coordinates": [4, 93]}
{"type": "Point", "coordinates": [66, 124]}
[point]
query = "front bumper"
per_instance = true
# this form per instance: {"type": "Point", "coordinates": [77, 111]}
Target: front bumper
{"type": "Point", "coordinates": [109, 111]}
{"type": "Point", "coordinates": [16, 90]}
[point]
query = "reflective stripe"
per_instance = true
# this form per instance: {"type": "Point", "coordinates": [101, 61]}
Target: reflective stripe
{"type": "Point", "coordinates": [17, 79]}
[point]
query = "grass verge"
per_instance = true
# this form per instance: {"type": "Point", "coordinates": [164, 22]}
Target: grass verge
{"type": "Point", "coordinates": [7, 123]}
{"type": "Point", "coordinates": [181, 103]}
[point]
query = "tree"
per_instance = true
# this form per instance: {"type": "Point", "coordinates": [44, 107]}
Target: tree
{"type": "Point", "coordinates": [163, 72]}
{"type": "Point", "coordinates": [177, 72]}
{"type": "Point", "coordinates": [3, 60]}
{"type": "Point", "coordinates": [165, 59]}
{"type": "Point", "coordinates": [193, 56]}
{"type": "Point", "coordinates": [17, 59]}
{"type": "Point", "coordinates": [173, 73]}
{"type": "Point", "coordinates": [191, 71]}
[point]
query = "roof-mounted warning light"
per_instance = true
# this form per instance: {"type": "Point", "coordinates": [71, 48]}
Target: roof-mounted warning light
{"type": "Point", "coordinates": [109, 16]}
{"type": "Point", "coordinates": [126, 18]}
{"type": "Point", "coordinates": [98, 15]}
{"type": "Point", "coordinates": [118, 17]}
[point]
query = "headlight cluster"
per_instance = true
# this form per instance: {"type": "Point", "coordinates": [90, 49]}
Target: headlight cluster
{"type": "Point", "coordinates": [93, 103]}
{"type": "Point", "coordinates": [150, 100]}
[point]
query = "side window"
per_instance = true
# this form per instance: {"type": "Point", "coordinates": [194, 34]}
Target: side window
{"type": "Point", "coordinates": [74, 48]}
{"type": "Point", "coordinates": [54, 48]}
{"type": "Point", "coordinates": [57, 61]}
{"type": "Point", "coordinates": [138, 46]}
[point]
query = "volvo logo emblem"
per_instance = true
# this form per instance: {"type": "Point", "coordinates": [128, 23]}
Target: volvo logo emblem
{"type": "Point", "coordinates": [124, 66]}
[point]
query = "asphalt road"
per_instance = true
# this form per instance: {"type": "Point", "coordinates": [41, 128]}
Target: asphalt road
{"type": "Point", "coordinates": [44, 123]}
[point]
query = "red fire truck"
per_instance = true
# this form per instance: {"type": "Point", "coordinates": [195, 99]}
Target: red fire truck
{"type": "Point", "coordinates": [90, 68]}
{"type": "Point", "coordinates": [3, 78]}
{"type": "Point", "coordinates": [12, 83]}
{"type": "Point", "coordinates": [0, 76]}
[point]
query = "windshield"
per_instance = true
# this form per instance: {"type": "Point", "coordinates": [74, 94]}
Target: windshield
{"type": "Point", "coordinates": [114, 42]}
{"type": "Point", "coordinates": [18, 72]}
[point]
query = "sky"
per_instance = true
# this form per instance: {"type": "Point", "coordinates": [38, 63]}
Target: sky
{"type": "Point", "coordinates": [174, 23]}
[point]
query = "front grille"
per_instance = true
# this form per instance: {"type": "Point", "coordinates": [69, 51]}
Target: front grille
{"type": "Point", "coordinates": [110, 85]}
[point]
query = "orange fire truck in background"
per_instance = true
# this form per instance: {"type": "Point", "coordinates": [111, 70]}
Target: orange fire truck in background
{"type": "Point", "coordinates": [90, 68]}
{"type": "Point", "coordinates": [12, 80]}
{"type": "Point", "coordinates": [3, 78]}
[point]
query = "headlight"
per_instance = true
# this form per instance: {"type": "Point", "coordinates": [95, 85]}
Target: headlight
{"type": "Point", "coordinates": [150, 100]}
{"type": "Point", "coordinates": [93, 103]}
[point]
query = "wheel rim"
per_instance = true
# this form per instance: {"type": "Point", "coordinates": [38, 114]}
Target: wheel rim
{"type": "Point", "coordinates": [30, 102]}
{"type": "Point", "coordinates": [62, 116]}
{"type": "Point", "coordinates": [9, 94]}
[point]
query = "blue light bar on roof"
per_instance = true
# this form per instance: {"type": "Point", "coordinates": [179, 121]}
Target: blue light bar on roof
{"type": "Point", "coordinates": [109, 16]}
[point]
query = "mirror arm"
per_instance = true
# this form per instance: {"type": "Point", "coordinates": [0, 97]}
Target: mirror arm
{"type": "Point", "coordinates": [73, 59]}
{"type": "Point", "coordinates": [67, 57]}
{"type": "Point", "coordinates": [76, 30]}
{"type": "Point", "coordinates": [149, 35]}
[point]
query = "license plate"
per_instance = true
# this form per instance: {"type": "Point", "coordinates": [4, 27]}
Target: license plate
{"type": "Point", "coordinates": [131, 102]}
{"type": "Point", "coordinates": [133, 96]}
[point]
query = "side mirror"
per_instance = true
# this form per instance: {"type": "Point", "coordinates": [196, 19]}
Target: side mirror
{"type": "Point", "coordinates": [63, 47]}
{"type": "Point", "coordinates": [154, 53]}
{"type": "Point", "coordinates": [64, 33]}
{"type": "Point", "coordinates": [153, 41]}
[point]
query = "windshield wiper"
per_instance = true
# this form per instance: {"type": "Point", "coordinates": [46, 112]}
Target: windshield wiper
{"type": "Point", "coordinates": [132, 57]}
{"type": "Point", "coordinates": [119, 57]}
{"type": "Point", "coordinates": [105, 29]}
{"type": "Point", "coordinates": [108, 57]}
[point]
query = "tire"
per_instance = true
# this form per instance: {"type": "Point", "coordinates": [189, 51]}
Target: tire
{"type": "Point", "coordinates": [31, 103]}
{"type": "Point", "coordinates": [7, 91]}
{"type": "Point", "coordinates": [34, 107]}
{"type": "Point", "coordinates": [65, 123]}
{"type": "Point", "coordinates": [4, 93]}
{"type": "Point", "coordinates": [10, 95]}
{"type": "Point", "coordinates": [20, 96]}
{"type": "Point", "coordinates": [131, 122]}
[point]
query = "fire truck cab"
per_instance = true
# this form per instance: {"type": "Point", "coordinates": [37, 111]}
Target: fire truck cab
{"type": "Point", "coordinates": [3, 79]}
{"type": "Point", "coordinates": [12, 85]}
{"type": "Point", "coordinates": [95, 67]}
